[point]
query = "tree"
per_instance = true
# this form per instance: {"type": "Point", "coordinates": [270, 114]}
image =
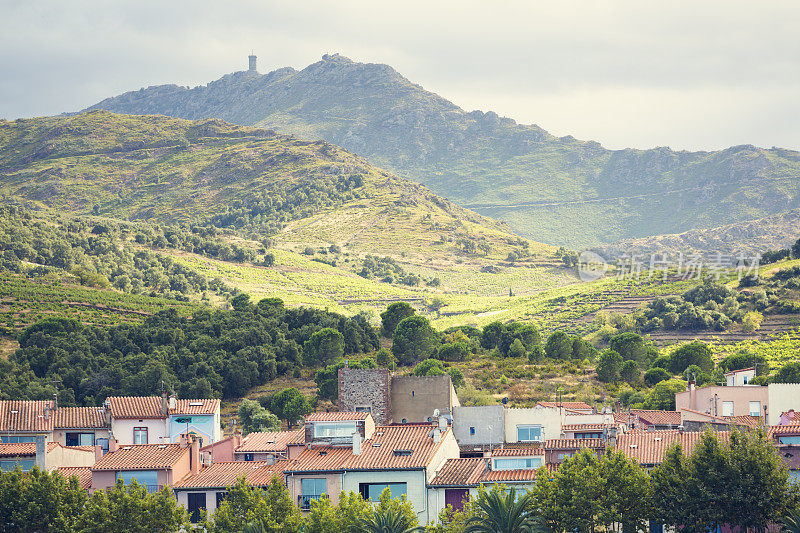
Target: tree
{"type": "Point", "coordinates": [323, 347]}
{"type": "Point", "coordinates": [429, 367]}
{"type": "Point", "coordinates": [630, 346]}
{"type": "Point", "coordinates": [627, 495]}
{"type": "Point", "coordinates": [629, 371]}
{"type": "Point", "coordinates": [344, 517]}
{"type": "Point", "coordinates": [393, 315]}
{"type": "Point", "coordinates": [390, 521]}
{"type": "Point", "coordinates": [582, 349]}
{"type": "Point", "coordinates": [457, 377]}
{"type": "Point", "coordinates": [655, 375]}
{"type": "Point", "coordinates": [609, 365]}
{"type": "Point", "coordinates": [131, 509]}
{"type": "Point", "coordinates": [253, 417]}
{"type": "Point", "coordinates": [558, 345]}
{"type": "Point", "coordinates": [796, 249]}
{"type": "Point", "coordinates": [490, 336]}
{"type": "Point", "coordinates": [695, 353]}
{"type": "Point", "coordinates": [385, 358]}
{"type": "Point", "coordinates": [289, 404]}
{"type": "Point", "coordinates": [528, 335]}
{"type": "Point", "coordinates": [452, 351]}
{"type": "Point", "coordinates": [414, 339]}
{"type": "Point", "coordinates": [517, 349]}
{"type": "Point", "coordinates": [272, 507]}
{"type": "Point", "coordinates": [39, 501]}
{"type": "Point", "coordinates": [662, 397]}
{"type": "Point", "coordinates": [668, 482]}
{"type": "Point", "coordinates": [788, 373]}
{"type": "Point", "coordinates": [501, 511]}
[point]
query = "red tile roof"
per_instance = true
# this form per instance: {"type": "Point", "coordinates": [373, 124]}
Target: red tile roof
{"type": "Point", "coordinates": [745, 420]}
{"type": "Point", "coordinates": [459, 472]}
{"type": "Point", "coordinates": [648, 447]}
{"type": "Point", "coordinates": [336, 416]}
{"type": "Point", "coordinates": [567, 405]}
{"type": "Point", "coordinates": [587, 427]}
{"type": "Point", "coordinates": [402, 447]}
{"type": "Point", "coordinates": [79, 417]}
{"type": "Point", "coordinates": [574, 444]}
{"type": "Point", "coordinates": [269, 441]}
{"type": "Point", "coordinates": [29, 448]}
{"type": "Point", "coordinates": [225, 474]}
{"type": "Point", "coordinates": [320, 458]}
{"type": "Point", "coordinates": [83, 473]}
{"type": "Point", "coordinates": [26, 416]}
{"type": "Point", "coordinates": [658, 418]}
{"type": "Point", "coordinates": [517, 451]}
{"type": "Point", "coordinates": [142, 457]}
{"type": "Point", "coordinates": [786, 429]}
{"type": "Point", "coordinates": [500, 476]}
{"type": "Point", "coordinates": [195, 407]}
{"type": "Point", "coordinates": [135, 407]}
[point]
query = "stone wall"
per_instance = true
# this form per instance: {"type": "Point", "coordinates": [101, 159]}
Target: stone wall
{"type": "Point", "coordinates": [365, 387]}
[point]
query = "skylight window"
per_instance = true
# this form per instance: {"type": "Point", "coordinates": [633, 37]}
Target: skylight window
{"type": "Point", "coordinates": [403, 453]}
{"type": "Point", "coordinates": [196, 404]}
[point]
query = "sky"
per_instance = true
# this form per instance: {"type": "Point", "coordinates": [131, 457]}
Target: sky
{"type": "Point", "coordinates": [689, 75]}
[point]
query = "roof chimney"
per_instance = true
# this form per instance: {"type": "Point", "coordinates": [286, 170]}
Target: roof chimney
{"type": "Point", "coordinates": [356, 443]}
{"type": "Point", "coordinates": [164, 403]}
{"type": "Point", "coordinates": [55, 401]}
{"type": "Point", "coordinates": [194, 454]}
{"type": "Point", "coordinates": [113, 445]}
{"type": "Point", "coordinates": [437, 435]}
{"type": "Point", "coordinates": [41, 452]}
{"type": "Point", "coordinates": [173, 402]}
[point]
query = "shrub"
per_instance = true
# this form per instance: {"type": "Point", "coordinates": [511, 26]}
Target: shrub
{"type": "Point", "coordinates": [656, 375]}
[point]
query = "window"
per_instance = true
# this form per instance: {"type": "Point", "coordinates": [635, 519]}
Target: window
{"type": "Point", "coordinates": [564, 455]}
{"type": "Point", "coordinates": [363, 409]}
{"type": "Point", "coordinates": [80, 439]}
{"type": "Point", "coordinates": [755, 408]}
{"type": "Point", "coordinates": [588, 435]}
{"type": "Point", "coordinates": [403, 453]}
{"type": "Point", "coordinates": [518, 463]}
{"type": "Point", "coordinates": [14, 439]}
{"type": "Point", "coordinates": [140, 435]}
{"type": "Point", "coordinates": [312, 489]}
{"type": "Point", "coordinates": [146, 478]}
{"type": "Point", "coordinates": [334, 429]}
{"type": "Point", "coordinates": [744, 378]}
{"type": "Point", "coordinates": [727, 408]}
{"type": "Point", "coordinates": [794, 439]}
{"type": "Point", "coordinates": [372, 491]}
{"type": "Point", "coordinates": [248, 457]}
{"type": "Point", "coordinates": [103, 443]}
{"type": "Point", "coordinates": [221, 497]}
{"type": "Point", "coordinates": [195, 502]}
{"type": "Point", "coordinates": [7, 465]}
{"type": "Point", "coordinates": [184, 420]}
{"type": "Point", "coordinates": [529, 433]}
{"type": "Point", "coordinates": [471, 430]}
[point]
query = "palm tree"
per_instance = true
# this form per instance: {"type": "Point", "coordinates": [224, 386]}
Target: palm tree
{"type": "Point", "coordinates": [255, 527]}
{"type": "Point", "coordinates": [499, 511]}
{"type": "Point", "coordinates": [791, 522]}
{"type": "Point", "coordinates": [389, 521]}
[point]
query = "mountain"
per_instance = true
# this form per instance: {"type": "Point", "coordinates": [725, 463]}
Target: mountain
{"type": "Point", "coordinates": [558, 190]}
{"type": "Point", "coordinates": [775, 232]}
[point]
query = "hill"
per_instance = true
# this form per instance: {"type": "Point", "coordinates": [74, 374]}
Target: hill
{"type": "Point", "coordinates": [557, 190]}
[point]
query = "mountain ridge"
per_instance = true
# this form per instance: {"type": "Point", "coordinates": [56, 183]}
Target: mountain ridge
{"type": "Point", "coordinates": [558, 190]}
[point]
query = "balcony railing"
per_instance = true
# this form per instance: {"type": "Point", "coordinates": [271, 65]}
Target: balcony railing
{"type": "Point", "coordinates": [304, 501]}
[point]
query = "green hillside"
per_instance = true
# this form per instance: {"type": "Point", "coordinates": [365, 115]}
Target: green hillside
{"type": "Point", "coordinates": [562, 191]}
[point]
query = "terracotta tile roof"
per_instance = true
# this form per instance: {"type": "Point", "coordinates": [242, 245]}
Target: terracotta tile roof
{"type": "Point", "coordinates": [26, 416]}
{"type": "Point", "coordinates": [648, 447]}
{"type": "Point", "coordinates": [786, 429]}
{"type": "Point", "coordinates": [320, 458]}
{"type": "Point", "coordinates": [587, 427]}
{"type": "Point", "coordinates": [142, 457]}
{"type": "Point", "coordinates": [79, 417]}
{"type": "Point", "coordinates": [83, 473]}
{"type": "Point", "coordinates": [336, 416]}
{"type": "Point", "coordinates": [194, 407]}
{"type": "Point", "coordinates": [740, 370]}
{"type": "Point", "coordinates": [225, 474]}
{"type": "Point", "coordinates": [567, 405]}
{"type": "Point", "coordinates": [745, 420]}
{"type": "Point", "coordinates": [517, 451]}
{"type": "Point", "coordinates": [135, 406]}
{"type": "Point", "coordinates": [499, 476]}
{"type": "Point", "coordinates": [459, 473]}
{"type": "Point", "coordinates": [29, 448]}
{"type": "Point", "coordinates": [658, 418]}
{"type": "Point", "coordinates": [404, 447]}
{"type": "Point", "coordinates": [574, 444]}
{"type": "Point", "coordinates": [268, 441]}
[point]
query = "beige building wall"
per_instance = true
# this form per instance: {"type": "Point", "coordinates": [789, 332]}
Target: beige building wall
{"type": "Point", "coordinates": [122, 429]}
{"type": "Point", "coordinates": [60, 435]}
{"type": "Point", "coordinates": [414, 398]}
{"type": "Point", "coordinates": [415, 480]}
{"type": "Point", "coordinates": [782, 397]}
{"type": "Point", "coordinates": [547, 417]}
{"type": "Point", "coordinates": [333, 484]}
{"type": "Point", "coordinates": [211, 498]}
{"type": "Point", "coordinates": [712, 400]}
{"type": "Point", "coordinates": [59, 457]}
{"type": "Point", "coordinates": [448, 449]}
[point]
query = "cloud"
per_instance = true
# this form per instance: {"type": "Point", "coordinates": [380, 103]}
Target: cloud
{"type": "Point", "coordinates": [684, 74]}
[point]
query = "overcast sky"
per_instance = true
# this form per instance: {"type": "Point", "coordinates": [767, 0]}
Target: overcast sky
{"type": "Point", "coordinates": [694, 75]}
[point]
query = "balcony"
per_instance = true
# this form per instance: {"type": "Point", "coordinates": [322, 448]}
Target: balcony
{"type": "Point", "coordinates": [304, 501]}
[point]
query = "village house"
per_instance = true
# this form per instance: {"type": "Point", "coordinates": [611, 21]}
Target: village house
{"type": "Point", "coordinates": [151, 465]}
{"type": "Point", "coordinates": [46, 455]}
{"type": "Point", "coordinates": [767, 401]}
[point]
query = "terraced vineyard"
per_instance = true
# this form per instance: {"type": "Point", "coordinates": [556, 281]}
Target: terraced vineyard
{"type": "Point", "coordinates": [773, 326]}
{"type": "Point", "coordinates": [25, 301]}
